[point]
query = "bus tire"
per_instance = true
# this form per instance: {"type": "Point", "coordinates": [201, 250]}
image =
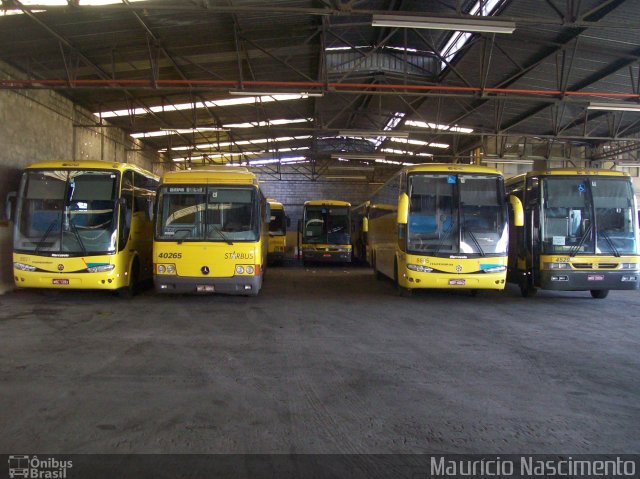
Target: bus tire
{"type": "Point", "coordinates": [129, 291]}
{"type": "Point", "coordinates": [474, 292]}
{"type": "Point", "coordinates": [599, 293]}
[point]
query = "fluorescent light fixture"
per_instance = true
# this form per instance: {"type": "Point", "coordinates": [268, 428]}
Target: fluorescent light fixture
{"type": "Point", "coordinates": [357, 156]}
{"type": "Point", "coordinates": [506, 162]}
{"type": "Point", "coordinates": [355, 177]}
{"type": "Point", "coordinates": [256, 141]}
{"type": "Point", "coordinates": [267, 123]}
{"type": "Point", "coordinates": [404, 152]}
{"type": "Point", "coordinates": [372, 133]}
{"type": "Point", "coordinates": [441, 23]}
{"type": "Point", "coordinates": [393, 162]}
{"type": "Point", "coordinates": [175, 131]}
{"type": "Point", "coordinates": [294, 160]}
{"type": "Point", "coordinates": [438, 126]}
{"type": "Point", "coordinates": [351, 168]}
{"type": "Point", "coordinates": [302, 94]}
{"type": "Point", "coordinates": [226, 102]}
{"type": "Point", "coordinates": [613, 106]}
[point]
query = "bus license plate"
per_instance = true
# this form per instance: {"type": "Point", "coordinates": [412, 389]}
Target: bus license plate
{"type": "Point", "coordinates": [457, 282]}
{"type": "Point", "coordinates": [60, 281]}
{"type": "Point", "coordinates": [204, 288]}
{"type": "Point", "coordinates": [595, 277]}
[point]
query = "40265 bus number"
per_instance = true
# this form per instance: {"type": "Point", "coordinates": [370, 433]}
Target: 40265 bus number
{"type": "Point", "coordinates": [170, 255]}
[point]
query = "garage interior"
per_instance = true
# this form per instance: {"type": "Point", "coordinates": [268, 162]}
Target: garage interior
{"type": "Point", "coordinates": [321, 99]}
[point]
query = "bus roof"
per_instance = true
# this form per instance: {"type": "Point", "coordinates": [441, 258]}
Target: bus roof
{"type": "Point", "coordinates": [567, 172]}
{"type": "Point", "coordinates": [327, 203]}
{"type": "Point", "coordinates": [211, 176]}
{"type": "Point", "coordinates": [275, 204]}
{"type": "Point", "coordinates": [450, 167]}
{"type": "Point", "coordinates": [88, 164]}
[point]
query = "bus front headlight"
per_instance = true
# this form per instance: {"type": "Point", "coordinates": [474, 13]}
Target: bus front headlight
{"type": "Point", "coordinates": [239, 269]}
{"type": "Point", "coordinates": [24, 267]}
{"type": "Point", "coordinates": [101, 268]}
{"type": "Point", "coordinates": [249, 269]}
{"type": "Point", "coordinates": [419, 268]}
{"type": "Point", "coordinates": [166, 269]}
{"type": "Point", "coordinates": [495, 269]}
{"type": "Point", "coordinates": [628, 265]}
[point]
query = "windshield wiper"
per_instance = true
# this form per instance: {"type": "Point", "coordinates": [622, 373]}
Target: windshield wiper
{"type": "Point", "coordinates": [615, 251]}
{"type": "Point", "coordinates": [576, 248]}
{"type": "Point", "coordinates": [45, 236]}
{"type": "Point", "coordinates": [447, 233]}
{"type": "Point", "coordinates": [475, 242]}
{"type": "Point", "coordinates": [74, 229]}
{"type": "Point", "coordinates": [222, 235]}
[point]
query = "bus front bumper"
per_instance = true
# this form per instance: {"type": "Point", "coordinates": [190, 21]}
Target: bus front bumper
{"type": "Point", "coordinates": [561, 280]}
{"type": "Point", "coordinates": [327, 256]}
{"type": "Point", "coordinates": [243, 285]}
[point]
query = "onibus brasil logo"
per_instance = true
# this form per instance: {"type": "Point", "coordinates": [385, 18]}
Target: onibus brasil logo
{"type": "Point", "coordinates": [36, 468]}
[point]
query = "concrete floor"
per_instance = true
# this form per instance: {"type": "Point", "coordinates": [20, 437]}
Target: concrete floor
{"type": "Point", "coordinates": [325, 360]}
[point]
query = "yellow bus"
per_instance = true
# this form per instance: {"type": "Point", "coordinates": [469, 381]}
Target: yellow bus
{"type": "Point", "coordinates": [580, 232]}
{"type": "Point", "coordinates": [211, 232]}
{"type": "Point", "coordinates": [277, 232]}
{"type": "Point", "coordinates": [84, 225]}
{"type": "Point", "coordinates": [326, 231]}
{"type": "Point", "coordinates": [360, 232]}
{"type": "Point", "coordinates": [441, 226]}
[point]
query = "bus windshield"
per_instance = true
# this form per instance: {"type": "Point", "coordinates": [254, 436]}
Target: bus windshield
{"type": "Point", "coordinates": [67, 212]}
{"type": "Point", "coordinates": [457, 214]}
{"type": "Point", "coordinates": [326, 225]}
{"type": "Point", "coordinates": [207, 213]}
{"type": "Point", "coordinates": [277, 225]}
{"type": "Point", "coordinates": [588, 216]}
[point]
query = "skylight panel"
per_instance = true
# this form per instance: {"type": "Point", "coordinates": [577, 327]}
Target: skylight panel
{"type": "Point", "coordinates": [438, 126]}
{"type": "Point", "coordinates": [459, 39]}
{"type": "Point", "coordinates": [197, 105]}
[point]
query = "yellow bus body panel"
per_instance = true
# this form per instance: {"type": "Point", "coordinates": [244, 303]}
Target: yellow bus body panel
{"type": "Point", "coordinates": [277, 243]}
{"type": "Point", "coordinates": [452, 273]}
{"type": "Point", "coordinates": [71, 273]}
{"type": "Point", "coordinates": [220, 258]}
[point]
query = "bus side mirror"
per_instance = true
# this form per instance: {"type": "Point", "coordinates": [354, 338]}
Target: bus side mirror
{"type": "Point", "coordinates": [365, 225]}
{"type": "Point", "coordinates": [9, 206]}
{"type": "Point", "coordinates": [299, 226]}
{"type": "Point", "coordinates": [403, 209]}
{"type": "Point", "coordinates": [288, 222]}
{"type": "Point", "coordinates": [518, 211]}
{"type": "Point", "coordinates": [267, 215]}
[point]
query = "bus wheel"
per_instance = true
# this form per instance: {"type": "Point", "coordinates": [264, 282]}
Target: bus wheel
{"type": "Point", "coordinates": [130, 290]}
{"type": "Point", "coordinates": [528, 291]}
{"type": "Point", "coordinates": [474, 292]}
{"type": "Point", "coordinates": [599, 293]}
